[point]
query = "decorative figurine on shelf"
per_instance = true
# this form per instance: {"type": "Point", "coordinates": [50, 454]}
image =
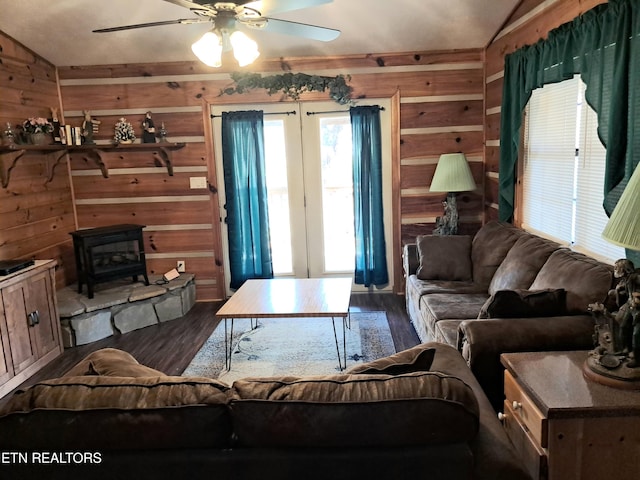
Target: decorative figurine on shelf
{"type": "Point", "coordinates": [148, 129]}
{"type": "Point", "coordinates": [124, 132]}
{"type": "Point", "coordinates": [8, 137]}
{"type": "Point", "coordinates": [163, 133]}
{"type": "Point", "coordinates": [87, 129]}
{"type": "Point", "coordinates": [56, 125]}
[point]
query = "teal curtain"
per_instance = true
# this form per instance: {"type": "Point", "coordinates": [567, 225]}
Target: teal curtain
{"type": "Point", "coordinates": [246, 196]}
{"type": "Point", "coordinates": [370, 261]}
{"type": "Point", "coordinates": [603, 46]}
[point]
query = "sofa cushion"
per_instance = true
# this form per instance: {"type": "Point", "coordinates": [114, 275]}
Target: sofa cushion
{"type": "Point", "coordinates": [416, 359]}
{"type": "Point", "coordinates": [441, 306]}
{"type": "Point", "coordinates": [444, 257]}
{"type": "Point", "coordinates": [113, 363]}
{"type": "Point", "coordinates": [525, 303]}
{"type": "Point", "coordinates": [585, 279]}
{"type": "Point", "coordinates": [461, 306]}
{"type": "Point", "coordinates": [424, 287]}
{"type": "Point", "coordinates": [490, 246]}
{"type": "Point", "coordinates": [101, 412]}
{"type": "Point", "coordinates": [420, 408]}
{"type": "Point", "coordinates": [446, 331]}
{"type": "Point", "coordinates": [519, 268]}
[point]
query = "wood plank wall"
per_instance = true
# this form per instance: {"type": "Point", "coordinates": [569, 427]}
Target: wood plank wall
{"type": "Point", "coordinates": [448, 102]}
{"type": "Point", "coordinates": [36, 209]}
{"type": "Point", "coordinates": [532, 20]}
{"type": "Point", "coordinates": [440, 111]}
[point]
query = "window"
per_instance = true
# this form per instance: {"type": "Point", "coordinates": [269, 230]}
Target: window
{"type": "Point", "coordinates": [564, 162]}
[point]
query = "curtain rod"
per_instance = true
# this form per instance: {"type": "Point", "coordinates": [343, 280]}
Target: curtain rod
{"type": "Point", "coordinates": [293, 112]}
{"type": "Point", "coordinates": [334, 111]}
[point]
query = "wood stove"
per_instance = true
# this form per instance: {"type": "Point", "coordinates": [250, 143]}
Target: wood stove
{"type": "Point", "coordinates": [109, 253]}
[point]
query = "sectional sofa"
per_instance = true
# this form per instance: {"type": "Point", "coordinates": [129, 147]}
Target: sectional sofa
{"type": "Point", "coordinates": [417, 414]}
{"type": "Point", "coordinates": [502, 290]}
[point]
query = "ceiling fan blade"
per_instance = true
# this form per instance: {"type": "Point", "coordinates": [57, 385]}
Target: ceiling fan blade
{"type": "Point", "coordinates": [185, 21]}
{"type": "Point", "coordinates": [298, 29]}
{"type": "Point", "coordinates": [269, 7]}
{"type": "Point", "coordinates": [187, 3]}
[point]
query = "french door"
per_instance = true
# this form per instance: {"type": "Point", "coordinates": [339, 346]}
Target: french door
{"type": "Point", "coordinates": [308, 161]}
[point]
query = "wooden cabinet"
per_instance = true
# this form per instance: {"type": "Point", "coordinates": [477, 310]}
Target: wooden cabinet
{"type": "Point", "coordinates": [29, 324]}
{"type": "Point", "coordinates": [565, 426]}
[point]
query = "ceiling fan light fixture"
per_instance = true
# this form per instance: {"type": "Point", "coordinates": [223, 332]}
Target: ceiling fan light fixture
{"type": "Point", "coordinates": [245, 50]}
{"type": "Point", "coordinates": [209, 49]}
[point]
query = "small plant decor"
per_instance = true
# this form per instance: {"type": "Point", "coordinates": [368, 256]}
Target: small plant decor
{"type": "Point", "coordinates": [292, 85]}
{"type": "Point", "coordinates": [124, 132]}
{"type": "Point", "coordinates": [37, 125]}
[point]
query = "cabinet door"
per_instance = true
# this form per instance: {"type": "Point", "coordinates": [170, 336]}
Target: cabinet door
{"type": "Point", "coordinates": [21, 333]}
{"type": "Point", "coordinates": [6, 367]}
{"type": "Point", "coordinates": [40, 298]}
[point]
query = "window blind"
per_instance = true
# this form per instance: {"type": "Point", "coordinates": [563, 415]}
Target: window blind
{"type": "Point", "coordinates": [590, 216]}
{"type": "Point", "coordinates": [564, 170]}
{"type": "Point", "coordinates": [549, 166]}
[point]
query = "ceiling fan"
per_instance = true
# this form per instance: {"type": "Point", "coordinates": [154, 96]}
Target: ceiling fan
{"type": "Point", "coordinates": [225, 17]}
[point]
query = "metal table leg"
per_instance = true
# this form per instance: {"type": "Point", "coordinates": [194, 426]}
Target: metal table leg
{"type": "Point", "coordinates": [342, 365]}
{"type": "Point", "coordinates": [228, 344]}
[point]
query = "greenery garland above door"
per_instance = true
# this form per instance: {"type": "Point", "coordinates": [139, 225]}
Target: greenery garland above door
{"type": "Point", "coordinates": [292, 85]}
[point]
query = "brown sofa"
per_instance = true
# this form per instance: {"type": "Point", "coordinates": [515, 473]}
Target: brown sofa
{"type": "Point", "coordinates": [417, 414]}
{"type": "Point", "coordinates": [504, 290]}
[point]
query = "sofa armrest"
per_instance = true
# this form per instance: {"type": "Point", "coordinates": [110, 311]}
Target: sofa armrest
{"type": "Point", "coordinates": [482, 342]}
{"type": "Point", "coordinates": [410, 259]}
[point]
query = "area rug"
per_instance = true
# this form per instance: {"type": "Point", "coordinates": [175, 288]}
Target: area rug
{"type": "Point", "coordinates": [292, 346]}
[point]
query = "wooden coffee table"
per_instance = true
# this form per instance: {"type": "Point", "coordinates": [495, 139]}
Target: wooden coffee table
{"type": "Point", "coordinates": [290, 297]}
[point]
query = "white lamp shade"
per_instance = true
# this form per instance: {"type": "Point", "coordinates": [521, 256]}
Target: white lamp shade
{"type": "Point", "coordinates": [244, 49]}
{"type": "Point", "coordinates": [623, 227]}
{"type": "Point", "coordinates": [452, 174]}
{"type": "Point", "coordinates": [209, 49]}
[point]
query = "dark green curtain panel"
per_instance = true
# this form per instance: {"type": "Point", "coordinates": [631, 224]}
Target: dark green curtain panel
{"type": "Point", "coordinates": [603, 46]}
{"type": "Point", "coordinates": [371, 261]}
{"type": "Point", "coordinates": [246, 196]}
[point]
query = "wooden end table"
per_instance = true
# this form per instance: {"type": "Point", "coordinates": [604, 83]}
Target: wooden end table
{"type": "Point", "coordinates": [290, 297]}
{"type": "Point", "coordinates": [565, 426]}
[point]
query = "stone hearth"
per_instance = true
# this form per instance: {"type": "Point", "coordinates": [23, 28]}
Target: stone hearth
{"type": "Point", "coordinates": [122, 306]}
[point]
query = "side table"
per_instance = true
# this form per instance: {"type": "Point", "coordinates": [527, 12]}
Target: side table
{"type": "Point", "coordinates": [565, 426]}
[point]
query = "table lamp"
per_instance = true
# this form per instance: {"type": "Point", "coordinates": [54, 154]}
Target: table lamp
{"type": "Point", "coordinates": [452, 175]}
{"type": "Point", "coordinates": [623, 227]}
{"type": "Point", "coordinates": [616, 360]}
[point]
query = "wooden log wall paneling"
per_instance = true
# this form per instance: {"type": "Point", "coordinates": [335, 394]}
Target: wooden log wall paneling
{"type": "Point", "coordinates": [440, 111]}
{"type": "Point", "coordinates": [36, 207]}
{"type": "Point", "coordinates": [532, 20]}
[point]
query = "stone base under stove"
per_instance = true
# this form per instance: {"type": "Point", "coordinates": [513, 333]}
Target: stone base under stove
{"type": "Point", "coordinates": [122, 306]}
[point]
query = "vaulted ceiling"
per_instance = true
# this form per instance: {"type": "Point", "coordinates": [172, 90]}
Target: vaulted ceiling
{"type": "Point", "coordinates": [61, 30]}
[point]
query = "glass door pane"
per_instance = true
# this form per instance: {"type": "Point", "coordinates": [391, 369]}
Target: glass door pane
{"type": "Point", "coordinates": [278, 196]}
{"type": "Point", "coordinates": [337, 193]}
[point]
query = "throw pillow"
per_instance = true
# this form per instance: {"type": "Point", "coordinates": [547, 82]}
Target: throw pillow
{"type": "Point", "coordinates": [112, 362]}
{"type": "Point", "coordinates": [416, 359]}
{"type": "Point", "coordinates": [524, 303]}
{"type": "Point", "coordinates": [445, 257]}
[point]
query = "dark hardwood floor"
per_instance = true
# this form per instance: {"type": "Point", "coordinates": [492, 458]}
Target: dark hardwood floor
{"type": "Point", "coordinates": [170, 346]}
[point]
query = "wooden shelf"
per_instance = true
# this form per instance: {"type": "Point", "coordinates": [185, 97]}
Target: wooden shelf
{"type": "Point", "coordinates": [13, 153]}
{"type": "Point", "coordinates": [10, 154]}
